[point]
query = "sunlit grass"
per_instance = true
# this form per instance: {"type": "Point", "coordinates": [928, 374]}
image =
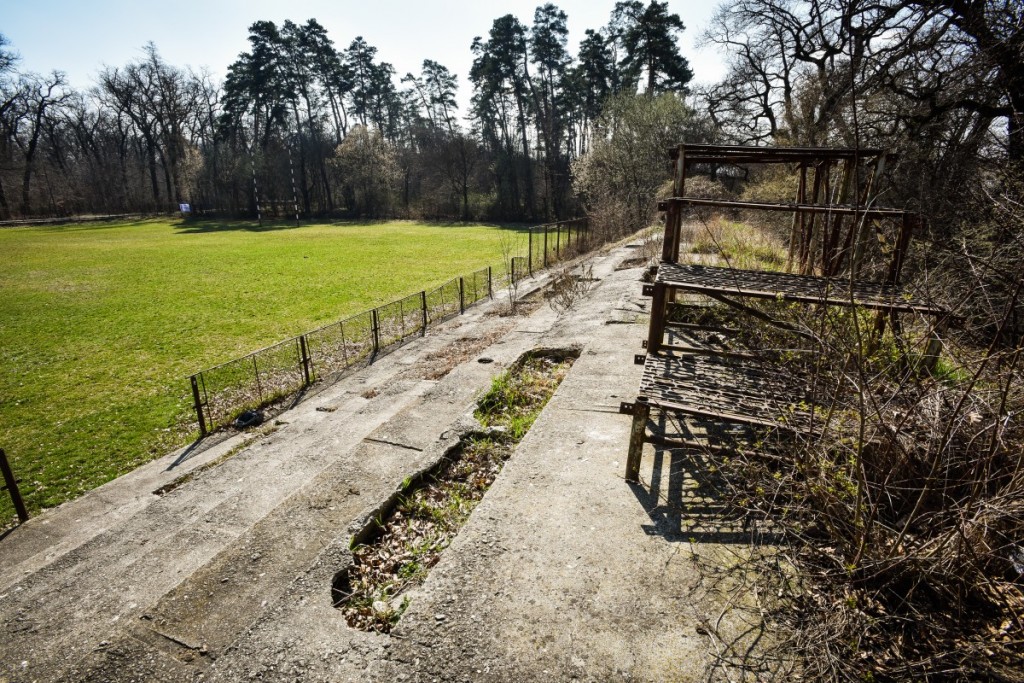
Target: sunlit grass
{"type": "Point", "coordinates": [101, 324]}
{"type": "Point", "coordinates": [738, 244]}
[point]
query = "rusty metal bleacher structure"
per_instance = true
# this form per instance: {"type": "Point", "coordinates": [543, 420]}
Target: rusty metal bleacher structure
{"type": "Point", "coordinates": [835, 231]}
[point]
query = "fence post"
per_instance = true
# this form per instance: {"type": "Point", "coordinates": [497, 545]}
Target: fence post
{"type": "Point", "coordinates": [545, 246]}
{"type": "Point", "coordinates": [256, 373]}
{"type": "Point", "coordinates": [490, 291]}
{"type": "Point", "coordinates": [376, 331]}
{"type": "Point", "coordinates": [423, 305]}
{"type": "Point", "coordinates": [462, 296]}
{"type": "Point", "coordinates": [304, 355]}
{"type": "Point", "coordinates": [199, 406]}
{"type": "Point", "coordinates": [558, 240]}
{"type": "Point", "coordinates": [529, 251]}
{"type": "Point", "coordinates": [12, 488]}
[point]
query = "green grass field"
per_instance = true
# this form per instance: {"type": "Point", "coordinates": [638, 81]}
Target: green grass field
{"type": "Point", "coordinates": [101, 324]}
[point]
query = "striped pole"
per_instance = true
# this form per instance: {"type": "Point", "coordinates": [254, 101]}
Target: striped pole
{"type": "Point", "coordinates": [255, 189]}
{"type": "Point", "coordinates": [295, 195]}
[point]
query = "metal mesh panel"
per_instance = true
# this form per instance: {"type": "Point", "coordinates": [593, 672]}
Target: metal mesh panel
{"type": "Point", "coordinates": [399, 320]}
{"type": "Point", "coordinates": [475, 288]}
{"type": "Point", "coordinates": [340, 345]}
{"type": "Point", "coordinates": [519, 268]}
{"type": "Point", "coordinates": [251, 381]}
{"type": "Point", "coordinates": [443, 302]}
{"type": "Point", "coordinates": [268, 374]}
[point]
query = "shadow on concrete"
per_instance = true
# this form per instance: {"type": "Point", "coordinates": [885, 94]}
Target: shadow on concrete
{"type": "Point", "coordinates": [685, 495]}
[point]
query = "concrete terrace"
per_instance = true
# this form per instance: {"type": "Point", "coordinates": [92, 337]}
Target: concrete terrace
{"type": "Point", "coordinates": [219, 567]}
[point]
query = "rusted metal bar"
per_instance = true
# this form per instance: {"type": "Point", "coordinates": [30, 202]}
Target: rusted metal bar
{"type": "Point", "coordinates": [423, 306]}
{"type": "Point", "coordinates": [641, 412]}
{"type": "Point", "coordinates": [722, 353]}
{"type": "Point", "coordinates": [798, 218]}
{"type": "Point", "coordinates": [810, 208]}
{"type": "Point", "coordinates": [375, 329]}
{"type": "Point", "coordinates": [707, 153]}
{"type": "Point", "coordinates": [198, 405]}
{"type": "Point", "coordinates": [12, 488]}
{"type": "Point", "coordinates": [702, 328]}
{"type": "Point", "coordinates": [656, 332]}
{"type": "Point", "coordinates": [725, 416]}
{"type": "Point", "coordinates": [307, 378]}
{"type": "Point", "coordinates": [864, 229]}
{"type": "Point", "coordinates": [810, 245]}
{"type": "Point", "coordinates": [679, 187]}
{"type": "Point", "coordinates": [673, 226]}
{"type": "Point", "coordinates": [717, 296]}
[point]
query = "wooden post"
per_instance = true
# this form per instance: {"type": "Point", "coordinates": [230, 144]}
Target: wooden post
{"type": "Point", "coordinates": [198, 405]}
{"type": "Point", "coordinates": [545, 245]}
{"type": "Point", "coordinates": [12, 488]}
{"type": "Point", "coordinates": [490, 290]}
{"type": "Point", "coordinates": [462, 294]}
{"type": "Point", "coordinates": [558, 240]}
{"type": "Point", "coordinates": [423, 305]}
{"type": "Point", "coordinates": [641, 413]}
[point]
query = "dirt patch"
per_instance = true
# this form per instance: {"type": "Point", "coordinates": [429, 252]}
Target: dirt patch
{"type": "Point", "coordinates": [439, 363]}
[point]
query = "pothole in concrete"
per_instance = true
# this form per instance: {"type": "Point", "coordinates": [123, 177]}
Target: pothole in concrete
{"type": "Point", "coordinates": [399, 546]}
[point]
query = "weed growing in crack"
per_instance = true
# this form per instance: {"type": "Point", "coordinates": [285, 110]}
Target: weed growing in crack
{"type": "Point", "coordinates": [430, 514]}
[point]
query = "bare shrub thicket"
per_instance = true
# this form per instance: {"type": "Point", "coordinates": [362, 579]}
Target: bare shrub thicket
{"type": "Point", "coordinates": [905, 506]}
{"type": "Point", "coordinates": [570, 285]}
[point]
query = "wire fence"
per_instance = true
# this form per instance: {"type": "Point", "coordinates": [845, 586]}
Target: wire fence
{"type": "Point", "coordinates": [221, 393]}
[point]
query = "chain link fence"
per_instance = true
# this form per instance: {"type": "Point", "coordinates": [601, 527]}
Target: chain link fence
{"type": "Point", "coordinates": [221, 393]}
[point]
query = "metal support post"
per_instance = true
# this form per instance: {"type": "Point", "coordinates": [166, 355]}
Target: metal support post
{"type": "Point", "coordinates": [12, 488]}
{"type": "Point", "coordinates": [375, 328]}
{"type": "Point", "coordinates": [423, 305]}
{"type": "Point", "coordinates": [529, 250]}
{"type": "Point", "coordinates": [198, 405]}
{"type": "Point", "coordinates": [641, 412]}
{"type": "Point", "coordinates": [304, 356]}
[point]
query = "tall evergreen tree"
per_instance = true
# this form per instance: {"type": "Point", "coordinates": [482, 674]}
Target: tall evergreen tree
{"type": "Point", "coordinates": [647, 36]}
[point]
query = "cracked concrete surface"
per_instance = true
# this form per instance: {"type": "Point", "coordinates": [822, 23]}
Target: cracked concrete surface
{"type": "Point", "coordinates": [564, 572]}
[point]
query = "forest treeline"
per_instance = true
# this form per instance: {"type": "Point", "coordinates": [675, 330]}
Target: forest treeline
{"type": "Point", "coordinates": [360, 138]}
{"type": "Point", "coordinates": [549, 132]}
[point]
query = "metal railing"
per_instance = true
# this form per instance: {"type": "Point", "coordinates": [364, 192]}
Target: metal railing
{"type": "Point", "coordinates": [221, 393]}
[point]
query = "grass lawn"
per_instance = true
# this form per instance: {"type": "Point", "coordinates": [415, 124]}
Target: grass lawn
{"type": "Point", "coordinates": [101, 324]}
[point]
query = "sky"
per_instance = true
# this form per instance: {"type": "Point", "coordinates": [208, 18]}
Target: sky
{"type": "Point", "coordinates": [79, 37]}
